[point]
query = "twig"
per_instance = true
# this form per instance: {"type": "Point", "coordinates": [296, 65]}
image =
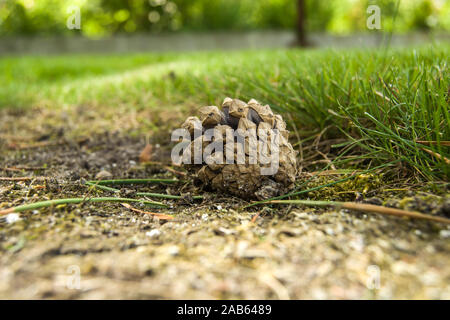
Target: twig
{"type": "Point", "coordinates": [179, 173]}
{"type": "Point", "coordinates": [49, 203]}
{"type": "Point", "coordinates": [159, 215]}
{"type": "Point", "coordinates": [365, 208]}
{"type": "Point", "coordinates": [255, 217]}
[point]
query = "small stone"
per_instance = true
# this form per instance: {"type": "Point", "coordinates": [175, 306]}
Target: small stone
{"type": "Point", "coordinates": [12, 217]}
{"type": "Point", "coordinates": [155, 233]}
{"type": "Point", "coordinates": [223, 231]}
{"type": "Point", "coordinates": [302, 215]}
{"type": "Point", "coordinates": [173, 250]}
{"type": "Point", "coordinates": [401, 267]}
{"type": "Point", "coordinates": [205, 217]}
{"type": "Point", "coordinates": [102, 175]}
{"type": "Point", "coordinates": [445, 234]}
{"type": "Point", "coordinates": [329, 231]}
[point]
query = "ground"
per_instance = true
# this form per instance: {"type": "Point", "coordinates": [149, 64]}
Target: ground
{"type": "Point", "coordinates": [212, 249]}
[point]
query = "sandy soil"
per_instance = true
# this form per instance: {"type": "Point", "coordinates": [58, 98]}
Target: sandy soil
{"type": "Point", "coordinates": [212, 249]}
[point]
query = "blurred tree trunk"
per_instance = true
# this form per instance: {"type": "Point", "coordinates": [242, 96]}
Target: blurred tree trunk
{"type": "Point", "coordinates": [301, 24]}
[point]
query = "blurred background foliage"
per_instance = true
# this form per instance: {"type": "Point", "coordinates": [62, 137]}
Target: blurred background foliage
{"type": "Point", "coordinates": [100, 18]}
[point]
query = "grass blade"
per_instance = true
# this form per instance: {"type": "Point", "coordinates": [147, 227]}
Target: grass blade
{"type": "Point", "coordinates": [50, 203]}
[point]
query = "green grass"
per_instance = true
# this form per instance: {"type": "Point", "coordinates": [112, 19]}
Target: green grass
{"type": "Point", "coordinates": [380, 101]}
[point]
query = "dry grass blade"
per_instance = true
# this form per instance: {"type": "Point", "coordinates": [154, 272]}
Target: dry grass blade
{"type": "Point", "coordinates": [6, 211]}
{"type": "Point", "coordinates": [333, 172]}
{"type": "Point", "coordinates": [255, 217]}
{"type": "Point", "coordinates": [146, 154]}
{"type": "Point", "coordinates": [22, 168]}
{"type": "Point", "coordinates": [391, 211]}
{"type": "Point", "coordinates": [44, 144]}
{"type": "Point", "coordinates": [437, 155]}
{"type": "Point", "coordinates": [370, 208]}
{"type": "Point", "coordinates": [442, 143]}
{"type": "Point", "coordinates": [179, 173]}
{"type": "Point", "coordinates": [23, 178]}
{"type": "Point", "coordinates": [159, 215]}
{"type": "Point", "coordinates": [66, 201]}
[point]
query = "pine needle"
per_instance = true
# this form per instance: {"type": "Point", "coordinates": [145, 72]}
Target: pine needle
{"type": "Point", "coordinates": [50, 203]}
{"type": "Point", "coordinates": [370, 208]}
{"type": "Point", "coordinates": [142, 194]}
{"type": "Point", "coordinates": [159, 215]}
{"type": "Point", "coordinates": [132, 181]}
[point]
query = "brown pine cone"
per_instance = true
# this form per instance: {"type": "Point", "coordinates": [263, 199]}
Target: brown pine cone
{"type": "Point", "coordinates": [240, 176]}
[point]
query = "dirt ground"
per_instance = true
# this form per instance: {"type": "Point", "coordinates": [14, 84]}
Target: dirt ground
{"type": "Point", "coordinates": [212, 249]}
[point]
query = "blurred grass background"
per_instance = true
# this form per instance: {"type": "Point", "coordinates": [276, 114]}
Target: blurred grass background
{"type": "Point", "coordinates": [102, 18]}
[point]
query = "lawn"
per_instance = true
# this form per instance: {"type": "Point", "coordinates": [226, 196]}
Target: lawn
{"type": "Point", "coordinates": [379, 102]}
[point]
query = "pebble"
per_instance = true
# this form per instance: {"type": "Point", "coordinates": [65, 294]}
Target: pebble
{"type": "Point", "coordinates": [103, 175]}
{"type": "Point", "coordinates": [444, 234]}
{"type": "Point", "coordinates": [12, 217]}
{"type": "Point", "coordinates": [173, 250]}
{"type": "Point", "coordinates": [302, 215]}
{"type": "Point", "coordinates": [329, 231]}
{"type": "Point", "coordinates": [155, 233]}
{"type": "Point", "coordinates": [223, 232]}
{"type": "Point", "coordinates": [404, 268]}
{"type": "Point", "coordinates": [205, 217]}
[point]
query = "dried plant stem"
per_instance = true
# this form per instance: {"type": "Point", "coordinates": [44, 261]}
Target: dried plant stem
{"type": "Point", "coordinates": [365, 208]}
{"type": "Point", "coordinates": [437, 155]}
{"type": "Point", "coordinates": [442, 143]}
{"type": "Point", "coordinates": [165, 196]}
{"type": "Point", "coordinates": [22, 168]}
{"type": "Point", "coordinates": [179, 173]}
{"type": "Point", "coordinates": [49, 203]}
{"type": "Point", "coordinates": [44, 144]}
{"type": "Point", "coordinates": [23, 178]}
{"type": "Point", "coordinates": [105, 188]}
{"type": "Point", "coordinates": [158, 215]}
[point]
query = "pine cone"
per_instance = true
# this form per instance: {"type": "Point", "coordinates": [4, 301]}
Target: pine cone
{"type": "Point", "coordinates": [243, 176]}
